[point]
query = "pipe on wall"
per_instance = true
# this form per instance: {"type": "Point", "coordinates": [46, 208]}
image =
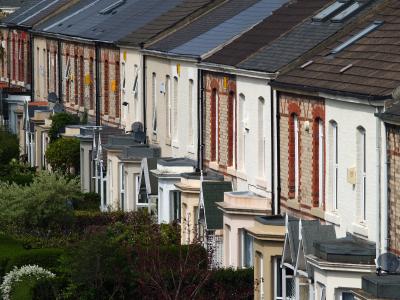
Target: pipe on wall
{"type": "Point", "coordinates": [60, 73]}
{"type": "Point", "coordinates": [273, 202]}
{"type": "Point", "coordinates": [32, 66]}
{"type": "Point", "coordinates": [379, 184]}
{"type": "Point", "coordinates": [385, 204]}
{"type": "Point", "coordinates": [277, 154]}
{"type": "Point", "coordinates": [200, 96]}
{"type": "Point", "coordinates": [144, 72]}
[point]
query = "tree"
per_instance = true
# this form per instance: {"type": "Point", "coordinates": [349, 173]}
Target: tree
{"type": "Point", "coordinates": [9, 147]}
{"type": "Point", "coordinates": [63, 155]}
{"type": "Point", "coordinates": [59, 121]}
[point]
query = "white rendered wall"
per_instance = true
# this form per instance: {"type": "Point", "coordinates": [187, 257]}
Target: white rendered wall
{"type": "Point", "coordinates": [250, 178]}
{"type": "Point", "coordinates": [131, 65]}
{"type": "Point", "coordinates": [165, 187]}
{"type": "Point", "coordinates": [181, 145]}
{"type": "Point", "coordinates": [349, 116]}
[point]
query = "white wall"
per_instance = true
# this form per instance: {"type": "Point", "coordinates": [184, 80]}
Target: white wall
{"type": "Point", "coordinates": [165, 187]}
{"type": "Point", "coordinates": [250, 178]}
{"type": "Point", "coordinates": [349, 116]}
{"type": "Point", "coordinates": [181, 145]}
{"type": "Point", "coordinates": [130, 67]}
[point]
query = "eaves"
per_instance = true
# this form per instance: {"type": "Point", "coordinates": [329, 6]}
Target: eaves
{"type": "Point", "coordinates": [373, 100]}
{"type": "Point", "coordinates": [169, 55]}
{"type": "Point", "coordinates": [236, 71]}
{"type": "Point", "coordinates": [338, 267]}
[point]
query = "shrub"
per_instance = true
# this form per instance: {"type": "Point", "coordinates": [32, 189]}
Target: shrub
{"type": "Point", "coordinates": [9, 147]}
{"type": "Point", "coordinates": [16, 275]}
{"type": "Point", "coordinates": [59, 121]}
{"type": "Point", "coordinates": [39, 208]}
{"type": "Point", "coordinates": [88, 202]}
{"type": "Point", "coordinates": [63, 155]}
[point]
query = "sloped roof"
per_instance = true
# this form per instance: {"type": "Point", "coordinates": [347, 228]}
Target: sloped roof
{"type": "Point", "coordinates": [297, 42]}
{"type": "Point", "coordinates": [151, 182]}
{"type": "Point", "coordinates": [165, 21]}
{"type": "Point", "coordinates": [88, 20]}
{"type": "Point", "coordinates": [15, 3]}
{"type": "Point", "coordinates": [368, 68]}
{"type": "Point", "coordinates": [33, 12]}
{"type": "Point", "coordinates": [213, 191]}
{"type": "Point", "coordinates": [282, 20]}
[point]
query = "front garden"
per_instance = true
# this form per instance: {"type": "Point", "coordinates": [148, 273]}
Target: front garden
{"type": "Point", "coordinates": [56, 244]}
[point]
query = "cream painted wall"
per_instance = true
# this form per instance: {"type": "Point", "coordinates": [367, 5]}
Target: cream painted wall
{"type": "Point", "coordinates": [250, 178]}
{"type": "Point", "coordinates": [113, 180]}
{"type": "Point", "coordinates": [348, 117]}
{"type": "Point", "coordinates": [180, 145]}
{"type": "Point", "coordinates": [232, 244]}
{"type": "Point", "coordinates": [40, 66]}
{"type": "Point", "coordinates": [132, 170]}
{"type": "Point", "coordinates": [131, 66]}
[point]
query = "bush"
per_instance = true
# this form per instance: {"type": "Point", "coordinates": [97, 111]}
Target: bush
{"type": "Point", "coordinates": [40, 208]}
{"type": "Point", "coordinates": [88, 202]}
{"type": "Point", "coordinates": [9, 147]}
{"type": "Point", "coordinates": [59, 121]}
{"type": "Point", "coordinates": [16, 172]}
{"type": "Point", "coordinates": [63, 155]}
{"type": "Point", "coordinates": [229, 284]}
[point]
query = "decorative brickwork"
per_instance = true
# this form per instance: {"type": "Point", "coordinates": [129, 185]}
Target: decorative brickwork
{"type": "Point", "coordinates": [393, 152]}
{"type": "Point", "coordinates": [308, 110]}
{"type": "Point", "coordinates": [219, 118]}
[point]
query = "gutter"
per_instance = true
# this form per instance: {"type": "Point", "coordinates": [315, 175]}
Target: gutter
{"type": "Point", "coordinates": [290, 86]}
{"type": "Point", "coordinates": [385, 204]}
{"type": "Point", "coordinates": [236, 71]}
{"type": "Point", "coordinates": [144, 73]}
{"type": "Point", "coordinates": [32, 67]}
{"type": "Point", "coordinates": [278, 151]}
{"type": "Point", "coordinates": [169, 55]}
{"type": "Point", "coordinates": [379, 183]}
{"type": "Point", "coordinates": [60, 79]}
{"type": "Point", "coordinates": [273, 201]}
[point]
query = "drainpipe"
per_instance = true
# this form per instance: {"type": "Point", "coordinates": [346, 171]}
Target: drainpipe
{"type": "Point", "coordinates": [98, 76]}
{"type": "Point", "coordinates": [144, 71]}
{"type": "Point", "coordinates": [32, 66]}
{"type": "Point", "coordinates": [384, 183]}
{"type": "Point", "coordinates": [273, 206]}
{"type": "Point", "coordinates": [199, 120]}
{"type": "Point", "coordinates": [60, 77]}
{"type": "Point", "coordinates": [378, 190]}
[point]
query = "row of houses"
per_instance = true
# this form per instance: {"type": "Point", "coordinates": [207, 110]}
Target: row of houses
{"type": "Point", "coordinates": [269, 129]}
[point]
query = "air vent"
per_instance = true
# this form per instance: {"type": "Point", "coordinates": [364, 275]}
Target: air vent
{"type": "Point", "coordinates": [348, 12]}
{"type": "Point", "coordinates": [331, 10]}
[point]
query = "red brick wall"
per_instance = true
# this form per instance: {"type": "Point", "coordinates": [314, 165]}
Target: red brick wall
{"type": "Point", "coordinates": [308, 110]}
{"type": "Point", "coordinates": [219, 89]}
{"type": "Point", "coordinates": [393, 152]}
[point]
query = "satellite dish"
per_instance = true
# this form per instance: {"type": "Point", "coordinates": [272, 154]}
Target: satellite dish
{"type": "Point", "coordinates": [388, 263]}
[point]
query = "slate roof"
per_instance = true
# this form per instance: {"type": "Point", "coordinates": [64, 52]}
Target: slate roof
{"type": "Point", "coordinates": [297, 42]}
{"type": "Point", "coordinates": [33, 12]}
{"type": "Point", "coordinates": [151, 182]}
{"type": "Point", "coordinates": [367, 69]}
{"type": "Point", "coordinates": [164, 21]}
{"type": "Point", "coordinates": [381, 287]}
{"type": "Point", "coordinates": [15, 3]}
{"type": "Point", "coordinates": [202, 25]}
{"type": "Point", "coordinates": [213, 191]}
{"type": "Point", "coordinates": [282, 20]}
{"type": "Point", "coordinates": [148, 17]}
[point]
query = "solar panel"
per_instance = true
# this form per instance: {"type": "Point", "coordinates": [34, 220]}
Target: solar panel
{"type": "Point", "coordinates": [330, 10]}
{"type": "Point", "coordinates": [356, 37]}
{"type": "Point", "coordinates": [347, 12]}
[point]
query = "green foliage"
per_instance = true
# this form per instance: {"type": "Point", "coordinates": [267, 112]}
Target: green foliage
{"type": "Point", "coordinates": [59, 121]}
{"type": "Point", "coordinates": [9, 147]}
{"type": "Point", "coordinates": [16, 172]}
{"type": "Point", "coordinates": [45, 289]}
{"type": "Point", "coordinates": [43, 206]}
{"type": "Point", "coordinates": [23, 290]}
{"type": "Point", "coordinates": [12, 253]}
{"type": "Point", "coordinates": [64, 155]}
{"type": "Point", "coordinates": [88, 202]}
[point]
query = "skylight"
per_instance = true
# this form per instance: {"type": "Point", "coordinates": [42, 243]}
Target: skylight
{"type": "Point", "coordinates": [109, 9]}
{"type": "Point", "coordinates": [357, 36]}
{"type": "Point", "coordinates": [330, 10]}
{"type": "Point", "coordinates": [347, 12]}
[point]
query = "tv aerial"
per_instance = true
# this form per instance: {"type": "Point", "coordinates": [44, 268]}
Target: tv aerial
{"type": "Point", "coordinates": [388, 263]}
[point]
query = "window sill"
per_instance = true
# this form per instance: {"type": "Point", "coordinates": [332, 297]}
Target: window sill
{"type": "Point", "coordinates": [231, 171]}
{"type": "Point", "coordinates": [293, 203]}
{"type": "Point", "coordinates": [360, 229]}
{"type": "Point", "coordinates": [214, 165]}
{"type": "Point", "coordinates": [191, 149]}
{"type": "Point", "coordinates": [241, 174]}
{"type": "Point", "coordinates": [261, 182]}
{"type": "Point", "coordinates": [154, 138]}
{"type": "Point", "coordinates": [175, 144]}
{"type": "Point", "coordinates": [332, 217]}
{"type": "Point", "coordinates": [168, 141]}
{"type": "Point", "coordinates": [318, 212]}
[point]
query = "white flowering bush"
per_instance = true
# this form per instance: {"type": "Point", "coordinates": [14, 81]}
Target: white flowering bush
{"type": "Point", "coordinates": [17, 274]}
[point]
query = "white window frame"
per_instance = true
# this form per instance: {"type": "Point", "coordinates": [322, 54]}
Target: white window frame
{"type": "Point", "coordinates": [191, 112]}
{"type": "Point", "coordinates": [277, 266]}
{"type": "Point", "coordinates": [122, 186]}
{"type": "Point", "coordinates": [296, 156]}
{"type": "Point", "coordinates": [243, 234]}
{"type": "Point", "coordinates": [261, 267]}
{"type": "Point", "coordinates": [242, 132]}
{"type": "Point", "coordinates": [321, 163]}
{"type": "Point", "coordinates": [175, 108]}
{"type": "Point", "coordinates": [261, 137]}
{"type": "Point", "coordinates": [335, 164]}
{"type": "Point", "coordinates": [362, 170]}
{"type": "Point", "coordinates": [154, 102]}
{"type": "Point", "coordinates": [168, 105]}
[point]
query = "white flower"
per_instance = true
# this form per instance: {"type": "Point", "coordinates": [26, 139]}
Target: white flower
{"type": "Point", "coordinates": [16, 275]}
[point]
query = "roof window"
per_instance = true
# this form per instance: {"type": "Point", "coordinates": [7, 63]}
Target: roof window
{"type": "Point", "coordinates": [109, 9]}
{"type": "Point", "coordinates": [357, 36]}
{"type": "Point", "coordinates": [330, 10]}
{"type": "Point", "coordinates": [349, 11]}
